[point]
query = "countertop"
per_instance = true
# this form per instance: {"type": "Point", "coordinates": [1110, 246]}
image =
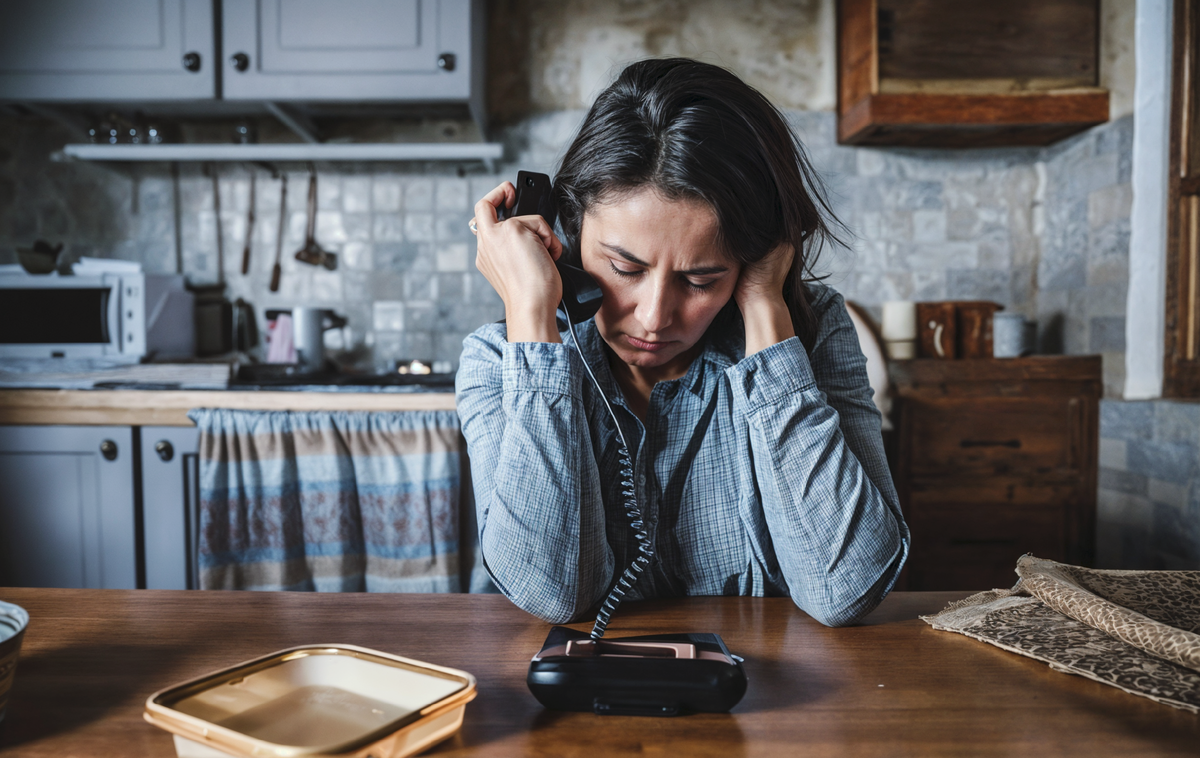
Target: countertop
{"type": "Point", "coordinates": [147, 407]}
{"type": "Point", "coordinates": [95, 393]}
{"type": "Point", "coordinates": [890, 686]}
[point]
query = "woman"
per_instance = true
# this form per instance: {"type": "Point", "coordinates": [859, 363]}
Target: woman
{"type": "Point", "coordinates": [737, 379]}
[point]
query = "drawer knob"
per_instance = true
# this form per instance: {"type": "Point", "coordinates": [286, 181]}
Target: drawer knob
{"type": "Point", "coordinates": [108, 449]}
{"type": "Point", "coordinates": [165, 450]}
{"type": "Point", "coordinates": [241, 61]}
{"type": "Point", "coordinates": [447, 61]}
{"type": "Point", "coordinates": [191, 62]}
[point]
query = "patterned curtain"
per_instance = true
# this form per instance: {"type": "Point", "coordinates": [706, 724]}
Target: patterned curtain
{"type": "Point", "coordinates": [335, 502]}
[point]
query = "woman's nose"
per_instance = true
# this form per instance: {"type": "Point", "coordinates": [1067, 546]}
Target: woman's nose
{"type": "Point", "coordinates": [654, 311]}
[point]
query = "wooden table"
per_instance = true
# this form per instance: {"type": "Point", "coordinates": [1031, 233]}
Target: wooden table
{"type": "Point", "coordinates": [892, 686]}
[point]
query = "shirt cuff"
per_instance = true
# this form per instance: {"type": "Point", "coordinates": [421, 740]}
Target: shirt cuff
{"type": "Point", "coordinates": [772, 373]}
{"type": "Point", "coordinates": [540, 367]}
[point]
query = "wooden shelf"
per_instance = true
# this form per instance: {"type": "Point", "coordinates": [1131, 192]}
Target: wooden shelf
{"type": "Point", "coordinates": [909, 74]}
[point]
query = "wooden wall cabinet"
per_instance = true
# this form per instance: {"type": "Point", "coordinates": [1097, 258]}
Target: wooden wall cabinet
{"type": "Point", "coordinates": [948, 73]}
{"type": "Point", "coordinates": [995, 458]}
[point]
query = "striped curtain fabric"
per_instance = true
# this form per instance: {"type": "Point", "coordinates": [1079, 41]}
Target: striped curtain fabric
{"type": "Point", "coordinates": [335, 502]}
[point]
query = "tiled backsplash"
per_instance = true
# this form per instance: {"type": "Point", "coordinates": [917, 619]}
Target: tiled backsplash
{"type": "Point", "coordinates": [1044, 232]}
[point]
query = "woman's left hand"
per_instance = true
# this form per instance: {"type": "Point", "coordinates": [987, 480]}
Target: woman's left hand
{"type": "Point", "coordinates": [759, 295]}
{"type": "Point", "coordinates": [763, 281]}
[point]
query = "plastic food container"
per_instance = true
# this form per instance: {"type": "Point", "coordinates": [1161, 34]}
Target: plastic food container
{"type": "Point", "coordinates": [13, 620]}
{"type": "Point", "coordinates": [316, 700]}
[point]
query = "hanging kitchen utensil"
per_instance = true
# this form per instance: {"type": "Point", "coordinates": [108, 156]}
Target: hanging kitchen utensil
{"type": "Point", "coordinates": [277, 271]}
{"type": "Point", "coordinates": [312, 253]}
{"type": "Point", "coordinates": [212, 172]}
{"type": "Point", "coordinates": [249, 226]}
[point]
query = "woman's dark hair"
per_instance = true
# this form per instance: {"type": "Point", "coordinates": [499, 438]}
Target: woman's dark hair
{"type": "Point", "coordinates": [692, 130]}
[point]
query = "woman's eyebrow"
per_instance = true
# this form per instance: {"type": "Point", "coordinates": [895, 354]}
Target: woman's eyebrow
{"type": "Point", "coordinates": [699, 271]}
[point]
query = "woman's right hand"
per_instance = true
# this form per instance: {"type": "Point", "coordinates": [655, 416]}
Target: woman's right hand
{"type": "Point", "coordinates": [517, 257]}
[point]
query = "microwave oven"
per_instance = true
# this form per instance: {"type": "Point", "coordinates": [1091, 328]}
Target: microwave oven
{"type": "Point", "coordinates": [120, 317]}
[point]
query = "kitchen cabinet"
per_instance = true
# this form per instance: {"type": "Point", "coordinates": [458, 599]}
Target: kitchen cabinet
{"type": "Point", "coordinates": [995, 458]}
{"type": "Point", "coordinates": [67, 516]}
{"type": "Point", "coordinates": [352, 50]}
{"type": "Point", "coordinates": [170, 494]}
{"type": "Point", "coordinates": [947, 73]}
{"type": "Point", "coordinates": [290, 51]}
{"type": "Point", "coordinates": [107, 50]}
{"type": "Point", "coordinates": [70, 517]}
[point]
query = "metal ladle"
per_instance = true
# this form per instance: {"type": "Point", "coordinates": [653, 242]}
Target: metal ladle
{"type": "Point", "coordinates": [312, 253]}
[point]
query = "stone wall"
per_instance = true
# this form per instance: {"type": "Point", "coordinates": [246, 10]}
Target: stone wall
{"type": "Point", "coordinates": [1083, 267]}
{"type": "Point", "coordinates": [1149, 500]}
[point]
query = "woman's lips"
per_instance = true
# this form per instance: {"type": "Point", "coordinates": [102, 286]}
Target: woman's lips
{"type": "Point", "coordinates": [652, 347]}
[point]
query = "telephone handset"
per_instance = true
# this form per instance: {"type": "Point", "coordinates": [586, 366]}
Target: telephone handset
{"type": "Point", "coordinates": [660, 675]}
{"type": "Point", "coordinates": [581, 294]}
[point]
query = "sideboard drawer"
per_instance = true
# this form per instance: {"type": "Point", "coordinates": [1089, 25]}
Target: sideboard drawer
{"type": "Point", "coordinates": [995, 434]}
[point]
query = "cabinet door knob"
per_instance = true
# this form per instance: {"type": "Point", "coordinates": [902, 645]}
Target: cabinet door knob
{"type": "Point", "coordinates": [191, 61]}
{"type": "Point", "coordinates": [165, 450]}
{"type": "Point", "coordinates": [241, 61]}
{"type": "Point", "coordinates": [447, 61]}
{"type": "Point", "coordinates": [108, 449]}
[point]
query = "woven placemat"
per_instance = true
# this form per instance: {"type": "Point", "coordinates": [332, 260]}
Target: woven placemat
{"type": "Point", "coordinates": [1134, 630]}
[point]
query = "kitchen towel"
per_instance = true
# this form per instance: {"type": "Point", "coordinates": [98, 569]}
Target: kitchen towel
{"type": "Point", "coordinates": [1135, 630]}
{"type": "Point", "coordinates": [334, 502]}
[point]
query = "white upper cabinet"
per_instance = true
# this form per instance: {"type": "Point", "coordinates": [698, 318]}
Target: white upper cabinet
{"type": "Point", "coordinates": [351, 50]}
{"type": "Point", "coordinates": [106, 50]}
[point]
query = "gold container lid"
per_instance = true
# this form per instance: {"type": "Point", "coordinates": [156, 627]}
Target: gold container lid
{"type": "Point", "coordinates": [317, 700]}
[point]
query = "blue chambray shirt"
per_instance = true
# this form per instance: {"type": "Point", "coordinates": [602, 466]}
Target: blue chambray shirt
{"type": "Point", "coordinates": [758, 476]}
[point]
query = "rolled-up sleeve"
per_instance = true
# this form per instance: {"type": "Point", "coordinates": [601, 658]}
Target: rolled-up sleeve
{"type": "Point", "coordinates": [818, 462]}
{"type": "Point", "coordinates": [537, 488]}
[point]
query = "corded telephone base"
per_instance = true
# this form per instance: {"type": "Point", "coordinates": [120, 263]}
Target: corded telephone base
{"type": "Point", "coordinates": [654, 675]}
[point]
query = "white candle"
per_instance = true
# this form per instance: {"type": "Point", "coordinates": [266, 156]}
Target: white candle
{"type": "Point", "coordinates": [899, 320]}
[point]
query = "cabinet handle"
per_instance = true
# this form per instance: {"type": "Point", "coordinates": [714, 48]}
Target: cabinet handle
{"type": "Point", "coordinates": [108, 449]}
{"type": "Point", "coordinates": [447, 61]}
{"type": "Point", "coordinates": [241, 61]}
{"type": "Point", "coordinates": [165, 450]}
{"type": "Point", "coordinates": [191, 61]}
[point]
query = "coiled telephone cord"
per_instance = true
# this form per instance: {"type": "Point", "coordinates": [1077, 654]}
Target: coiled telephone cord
{"type": "Point", "coordinates": [633, 511]}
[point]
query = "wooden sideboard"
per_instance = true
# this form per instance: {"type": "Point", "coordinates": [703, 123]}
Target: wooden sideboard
{"type": "Point", "coordinates": [994, 458]}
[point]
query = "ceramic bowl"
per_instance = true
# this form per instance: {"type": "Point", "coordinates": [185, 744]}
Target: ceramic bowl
{"type": "Point", "coordinates": [13, 620]}
{"type": "Point", "coordinates": [37, 261]}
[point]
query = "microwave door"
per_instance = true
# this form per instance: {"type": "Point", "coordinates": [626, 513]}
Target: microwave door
{"type": "Point", "coordinates": [78, 321]}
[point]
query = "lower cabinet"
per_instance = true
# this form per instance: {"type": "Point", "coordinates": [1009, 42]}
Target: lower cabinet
{"type": "Point", "coordinates": [67, 515]}
{"type": "Point", "coordinates": [98, 507]}
{"type": "Point", "coordinates": [169, 471]}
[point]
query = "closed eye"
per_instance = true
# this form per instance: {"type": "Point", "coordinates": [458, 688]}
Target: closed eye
{"type": "Point", "coordinates": [621, 271]}
{"type": "Point", "coordinates": [697, 286]}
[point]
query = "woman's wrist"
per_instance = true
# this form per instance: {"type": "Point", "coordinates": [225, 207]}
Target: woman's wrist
{"type": "Point", "coordinates": [768, 322]}
{"type": "Point", "coordinates": [531, 325]}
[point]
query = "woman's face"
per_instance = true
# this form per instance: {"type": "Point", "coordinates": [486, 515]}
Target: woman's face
{"type": "Point", "coordinates": [663, 277]}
